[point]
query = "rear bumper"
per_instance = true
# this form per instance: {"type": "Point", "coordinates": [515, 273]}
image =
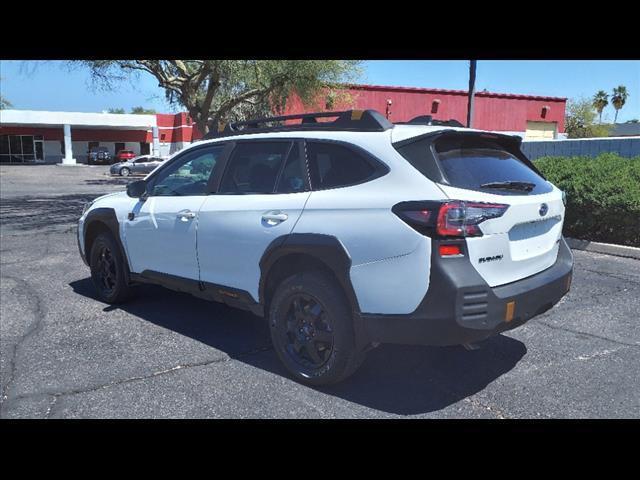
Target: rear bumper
{"type": "Point", "coordinates": [460, 307]}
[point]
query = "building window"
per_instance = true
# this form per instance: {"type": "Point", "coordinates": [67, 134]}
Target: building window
{"type": "Point", "coordinates": [163, 136]}
{"type": "Point", "coordinates": [545, 111]}
{"type": "Point", "coordinates": [17, 148]}
{"type": "Point", "coordinates": [4, 147]}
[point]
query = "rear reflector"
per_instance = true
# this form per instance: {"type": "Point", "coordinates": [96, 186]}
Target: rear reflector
{"type": "Point", "coordinates": [448, 250]}
{"type": "Point", "coordinates": [508, 314]}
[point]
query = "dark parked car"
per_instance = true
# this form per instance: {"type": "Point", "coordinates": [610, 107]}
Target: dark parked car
{"type": "Point", "coordinates": [142, 164]}
{"type": "Point", "coordinates": [99, 156]}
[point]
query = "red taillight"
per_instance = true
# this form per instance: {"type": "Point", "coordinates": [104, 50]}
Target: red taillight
{"type": "Point", "coordinates": [448, 250]}
{"type": "Point", "coordinates": [453, 218]}
{"type": "Point", "coordinates": [461, 219]}
{"type": "Point", "coordinates": [421, 216]}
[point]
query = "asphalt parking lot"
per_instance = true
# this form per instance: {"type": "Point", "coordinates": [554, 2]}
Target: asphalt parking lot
{"type": "Point", "coordinates": [63, 354]}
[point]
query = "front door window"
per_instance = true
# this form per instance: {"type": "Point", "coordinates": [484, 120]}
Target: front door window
{"type": "Point", "coordinates": [188, 177]}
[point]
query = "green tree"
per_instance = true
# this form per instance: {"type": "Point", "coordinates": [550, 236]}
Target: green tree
{"type": "Point", "coordinates": [215, 92]}
{"type": "Point", "coordinates": [4, 103]}
{"type": "Point", "coordinates": [600, 101]}
{"type": "Point", "coordinates": [116, 110]}
{"type": "Point", "coordinates": [579, 120]}
{"type": "Point", "coordinates": [143, 111]}
{"type": "Point", "coordinates": [618, 99]}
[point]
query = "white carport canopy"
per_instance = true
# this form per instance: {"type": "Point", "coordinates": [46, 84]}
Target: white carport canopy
{"type": "Point", "coordinates": [67, 120]}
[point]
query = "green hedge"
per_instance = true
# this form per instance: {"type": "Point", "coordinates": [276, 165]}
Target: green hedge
{"type": "Point", "coordinates": [603, 196]}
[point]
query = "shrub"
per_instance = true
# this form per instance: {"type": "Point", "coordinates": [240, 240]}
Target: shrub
{"type": "Point", "coordinates": [603, 196]}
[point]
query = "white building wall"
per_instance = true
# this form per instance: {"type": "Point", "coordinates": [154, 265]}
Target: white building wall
{"type": "Point", "coordinates": [177, 146]}
{"type": "Point", "coordinates": [166, 149]}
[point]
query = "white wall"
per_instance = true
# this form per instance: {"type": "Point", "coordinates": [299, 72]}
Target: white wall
{"type": "Point", "coordinates": [166, 149]}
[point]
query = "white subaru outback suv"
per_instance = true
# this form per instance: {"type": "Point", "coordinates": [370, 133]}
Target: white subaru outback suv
{"type": "Point", "coordinates": [344, 234]}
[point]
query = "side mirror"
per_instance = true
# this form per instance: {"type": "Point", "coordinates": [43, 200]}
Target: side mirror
{"type": "Point", "coordinates": [137, 189]}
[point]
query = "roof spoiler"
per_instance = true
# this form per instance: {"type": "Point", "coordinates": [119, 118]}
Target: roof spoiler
{"type": "Point", "coordinates": [348, 120]}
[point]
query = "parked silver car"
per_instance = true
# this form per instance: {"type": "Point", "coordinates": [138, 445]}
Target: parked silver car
{"type": "Point", "coordinates": [142, 164]}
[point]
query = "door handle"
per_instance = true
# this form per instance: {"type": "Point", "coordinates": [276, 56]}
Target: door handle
{"type": "Point", "coordinates": [186, 215]}
{"type": "Point", "coordinates": [274, 218]}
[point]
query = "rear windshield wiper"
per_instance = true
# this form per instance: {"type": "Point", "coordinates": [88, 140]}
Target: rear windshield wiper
{"type": "Point", "coordinates": [510, 185]}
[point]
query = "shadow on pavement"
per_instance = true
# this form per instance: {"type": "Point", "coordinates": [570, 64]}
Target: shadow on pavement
{"type": "Point", "coordinates": [32, 212]}
{"type": "Point", "coordinates": [405, 380]}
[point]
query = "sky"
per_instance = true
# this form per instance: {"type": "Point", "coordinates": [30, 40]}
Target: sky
{"type": "Point", "coordinates": [52, 86]}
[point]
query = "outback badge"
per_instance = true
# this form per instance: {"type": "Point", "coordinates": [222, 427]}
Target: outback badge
{"type": "Point", "coordinates": [490, 259]}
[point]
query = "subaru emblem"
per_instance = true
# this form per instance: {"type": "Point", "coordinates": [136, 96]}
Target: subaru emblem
{"type": "Point", "coordinates": [544, 208]}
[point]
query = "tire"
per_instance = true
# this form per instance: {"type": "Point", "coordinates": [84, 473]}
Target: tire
{"type": "Point", "coordinates": [125, 172]}
{"type": "Point", "coordinates": [308, 313]}
{"type": "Point", "coordinates": [107, 270]}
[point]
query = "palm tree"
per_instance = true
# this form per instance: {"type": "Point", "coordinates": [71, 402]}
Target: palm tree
{"type": "Point", "coordinates": [618, 99]}
{"type": "Point", "coordinates": [600, 100]}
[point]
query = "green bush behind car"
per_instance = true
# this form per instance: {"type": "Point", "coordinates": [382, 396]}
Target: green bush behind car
{"type": "Point", "coordinates": [603, 196]}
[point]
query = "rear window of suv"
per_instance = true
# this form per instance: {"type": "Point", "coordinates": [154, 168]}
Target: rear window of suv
{"type": "Point", "coordinates": [473, 163]}
{"type": "Point", "coordinates": [332, 165]}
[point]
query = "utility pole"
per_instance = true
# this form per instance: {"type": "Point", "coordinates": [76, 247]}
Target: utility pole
{"type": "Point", "coordinates": [472, 92]}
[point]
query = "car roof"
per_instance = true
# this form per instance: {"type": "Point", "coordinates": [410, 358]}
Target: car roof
{"type": "Point", "coordinates": [398, 133]}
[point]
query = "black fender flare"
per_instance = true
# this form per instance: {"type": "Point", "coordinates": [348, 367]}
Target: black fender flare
{"type": "Point", "coordinates": [325, 248]}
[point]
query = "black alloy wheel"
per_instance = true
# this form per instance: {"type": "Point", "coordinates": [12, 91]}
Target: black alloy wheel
{"type": "Point", "coordinates": [312, 330]}
{"type": "Point", "coordinates": [107, 274]}
{"type": "Point", "coordinates": [107, 269]}
{"type": "Point", "coordinates": [309, 336]}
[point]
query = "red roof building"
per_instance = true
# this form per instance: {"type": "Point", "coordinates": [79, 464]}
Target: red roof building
{"type": "Point", "coordinates": [40, 136]}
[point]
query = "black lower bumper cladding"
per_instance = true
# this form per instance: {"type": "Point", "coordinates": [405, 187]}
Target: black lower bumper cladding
{"type": "Point", "coordinates": [460, 307]}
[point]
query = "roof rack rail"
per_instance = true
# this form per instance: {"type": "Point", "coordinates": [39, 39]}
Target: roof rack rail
{"type": "Point", "coordinates": [348, 120]}
{"type": "Point", "coordinates": [428, 120]}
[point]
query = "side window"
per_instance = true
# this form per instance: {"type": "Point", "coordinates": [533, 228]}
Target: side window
{"type": "Point", "coordinates": [254, 167]}
{"type": "Point", "coordinates": [189, 175]}
{"type": "Point", "coordinates": [292, 179]}
{"type": "Point", "coordinates": [332, 166]}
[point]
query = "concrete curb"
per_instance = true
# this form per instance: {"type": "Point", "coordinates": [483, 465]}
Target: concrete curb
{"type": "Point", "coordinates": [606, 248]}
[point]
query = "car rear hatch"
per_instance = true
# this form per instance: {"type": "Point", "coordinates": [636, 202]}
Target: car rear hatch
{"type": "Point", "coordinates": [518, 230]}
